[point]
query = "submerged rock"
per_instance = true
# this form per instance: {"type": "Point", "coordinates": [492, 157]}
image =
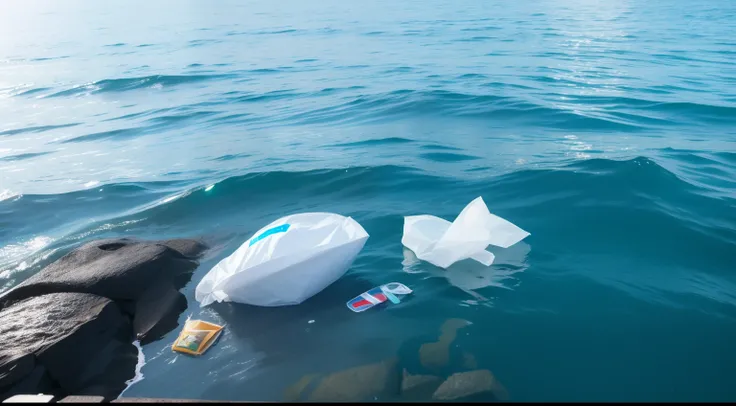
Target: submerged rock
{"type": "Point", "coordinates": [418, 387]}
{"type": "Point", "coordinates": [68, 330]}
{"type": "Point", "coordinates": [379, 381]}
{"type": "Point", "coordinates": [435, 356]}
{"type": "Point", "coordinates": [472, 384]}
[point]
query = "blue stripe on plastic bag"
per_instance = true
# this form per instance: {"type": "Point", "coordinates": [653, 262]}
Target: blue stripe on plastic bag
{"type": "Point", "coordinates": [275, 230]}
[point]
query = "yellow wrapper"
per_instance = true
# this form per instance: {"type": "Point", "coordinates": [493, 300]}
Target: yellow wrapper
{"type": "Point", "coordinates": [196, 337]}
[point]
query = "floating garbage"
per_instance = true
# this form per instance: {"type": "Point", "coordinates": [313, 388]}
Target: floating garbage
{"type": "Point", "coordinates": [196, 337]}
{"type": "Point", "coordinates": [442, 243]}
{"type": "Point", "coordinates": [390, 291]}
{"type": "Point", "coordinates": [286, 262]}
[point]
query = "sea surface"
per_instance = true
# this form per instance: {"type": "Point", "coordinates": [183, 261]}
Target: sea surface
{"type": "Point", "coordinates": [607, 129]}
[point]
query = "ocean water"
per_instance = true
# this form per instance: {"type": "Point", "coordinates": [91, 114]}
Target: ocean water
{"type": "Point", "coordinates": [605, 128]}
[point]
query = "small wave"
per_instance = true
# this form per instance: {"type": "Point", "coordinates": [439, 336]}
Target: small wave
{"type": "Point", "coordinates": [126, 84]}
{"type": "Point", "coordinates": [32, 91]}
{"type": "Point", "coordinates": [728, 156]}
{"type": "Point", "coordinates": [265, 70]}
{"type": "Point", "coordinates": [400, 69]}
{"type": "Point", "coordinates": [673, 89]}
{"type": "Point", "coordinates": [231, 118]}
{"type": "Point", "coordinates": [447, 157]}
{"type": "Point", "coordinates": [230, 157]}
{"type": "Point", "coordinates": [403, 103]}
{"type": "Point", "coordinates": [116, 45]}
{"type": "Point", "coordinates": [713, 169]}
{"type": "Point", "coordinates": [202, 42]}
{"type": "Point", "coordinates": [352, 67]}
{"type": "Point", "coordinates": [21, 157]}
{"type": "Point", "coordinates": [722, 113]}
{"type": "Point", "coordinates": [48, 58]}
{"type": "Point", "coordinates": [412, 33]}
{"type": "Point", "coordinates": [480, 29]}
{"type": "Point", "coordinates": [276, 32]}
{"type": "Point", "coordinates": [37, 129]}
{"type": "Point", "coordinates": [124, 133]}
{"type": "Point", "coordinates": [676, 111]}
{"type": "Point", "coordinates": [437, 147]}
{"type": "Point", "coordinates": [502, 85]}
{"type": "Point", "coordinates": [154, 125]}
{"type": "Point", "coordinates": [479, 38]}
{"type": "Point", "coordinates": [376, 142]}
{"type": "Point", "coordinates": [339, 89]}
{"type": "Point", "coordinates": [140, 114]}
{"type": "Point", "coordinates": [103, 228]}
{"type": "Point", "coordinates": [176, 118]}
{"type": "Point", "coordinates": [243, 97]}
{"type": "Point", "coordinates": [472, 76]}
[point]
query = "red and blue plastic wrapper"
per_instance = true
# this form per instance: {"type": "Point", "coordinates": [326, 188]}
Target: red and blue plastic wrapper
{"type": "Point", "coordinates": [389, 292]}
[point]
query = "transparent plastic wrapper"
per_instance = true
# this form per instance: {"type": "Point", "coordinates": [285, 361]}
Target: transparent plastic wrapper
{"type": "Point", "coordinates": [442, 243]}
{"type": "Point", "coordinates": [286, 262]}
{"type": "Point", "coordinates": [391, 291]}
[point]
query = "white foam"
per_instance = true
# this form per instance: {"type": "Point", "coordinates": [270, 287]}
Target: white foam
{"type": "Point", "coordinates": [14, 253]}
{"type": "Point", "coordinates": [138, 369]}
{"type": "Point", "coordinates": [6, 194]}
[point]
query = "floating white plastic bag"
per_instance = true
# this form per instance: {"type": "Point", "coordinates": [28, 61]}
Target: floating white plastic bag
{"type": "Point", "coordinates": [442, 243]}
{"type": "Point", "coordinates": [286, 262]}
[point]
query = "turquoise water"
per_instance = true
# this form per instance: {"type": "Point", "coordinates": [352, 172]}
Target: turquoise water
{"type": "Point", "coordinates": [606, 129]}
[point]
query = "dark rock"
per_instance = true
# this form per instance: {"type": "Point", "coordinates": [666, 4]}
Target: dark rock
{"type": "Point", "coordinates": [73, 336]}
{"type": "Point", "coordinates": [189, 248]}
{"type": "Point", "coordinates": [15, 366]}
{"type": "Point", "coordinates": [68, 330]}
{"type": "Point", "coordinates": [20, 374]}
{"type": "Point", "coordinates": [37, 381]}
{"type": "Point", "coordinates": [157, 311]}
{"type": "Point", "coordinates": [120, 270]}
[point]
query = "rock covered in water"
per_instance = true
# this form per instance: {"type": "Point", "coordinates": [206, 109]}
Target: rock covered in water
{"type": "Point", "coordinates": [471, 384]}
{"type": "Point", "coordinates": [369, 382]}
{"type": "Point", "coordinates": [418, 387]}
{"type": "Point", "coordinates": [69, 329]}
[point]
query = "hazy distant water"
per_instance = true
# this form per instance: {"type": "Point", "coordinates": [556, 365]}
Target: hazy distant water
{"type": "Point", "coordinates": [605, 128]}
